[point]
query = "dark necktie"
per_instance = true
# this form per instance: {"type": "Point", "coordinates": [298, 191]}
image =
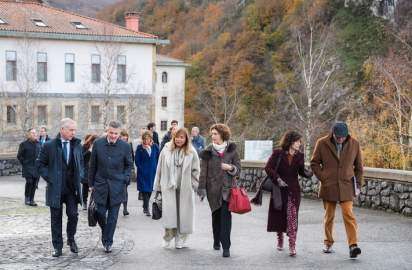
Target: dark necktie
{"type": "Point", "coordinates": [65, 152]}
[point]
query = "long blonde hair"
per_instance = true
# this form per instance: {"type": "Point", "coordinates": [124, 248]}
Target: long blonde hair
{"type": "Point", "coordinates": [187, 147]}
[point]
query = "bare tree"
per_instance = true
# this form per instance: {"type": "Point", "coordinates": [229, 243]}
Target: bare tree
{"type": "Point", "coordinates": [312, 98]}
{"type": "Point", "coordinates": [220, 102]}
{"type": "Point", "coordinates": [23, 92]}
{"type": "Point", "coordinates": [111, 83]}
{"type": "Point", "coordinates": [397, 99]}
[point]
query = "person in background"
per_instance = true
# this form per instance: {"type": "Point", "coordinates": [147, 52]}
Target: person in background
{"type": "Point", "coordinates": [86, 152]}
{"type": "Point", "coordinates": [109, 173]}
{"type": "Point", "coordinates": [220, 164]}
{"type": "Point", "coordinates": [337, 163]}
{"type": "Point", "coordinates": [60, 164]}
{"type": "Point", "coordinates": [147, 155]}
{"type": "Point", "coordinates": [291, 164]}
{"type": "Point", "coordinates": [152, 128]}
{"type": "Point", "coordinates": [43, 137]}
{"type": "Point", "coordinates": [27, 154]}
{"type": "Point", "coordinates": [168, 136]}
{"type": "Point", "coordinates": [124, 136]}
{"type": "Point", "coordinates": [197, 140]}
{"type": "Point", "coordinates": [177, 178]}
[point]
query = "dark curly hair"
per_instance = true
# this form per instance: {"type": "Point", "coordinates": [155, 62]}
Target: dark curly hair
{"type": "Point", "coordinates": [288, 139]}
{"type": "Point", "coordinates": [223, 130]}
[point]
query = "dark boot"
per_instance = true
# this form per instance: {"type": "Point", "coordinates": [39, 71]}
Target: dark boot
{"type": "Point", "coordinates": [27, 200]}
{"type": "Point", "coordinates": [125, 212]}
{"type": "Point", "coordinates": [354, 251]}
{"type": "Point", "coordinates": [32, 202]}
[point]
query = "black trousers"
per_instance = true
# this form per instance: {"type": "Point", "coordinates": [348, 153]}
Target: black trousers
{"type": "Point", "coordinates": [126, 197]}
{"type": "Point", "coordinates": [107, 218]}
{"type": "Point", "coordinates": [146, 198]}
{"type": "Point", "coordinates": [56, 220]}
{"type": "Point", "coordinates": [30, 188]}
{"type": "Point", "coordinates": [85, 192]}
{"type": "Point", "coordinates": [222, 225]}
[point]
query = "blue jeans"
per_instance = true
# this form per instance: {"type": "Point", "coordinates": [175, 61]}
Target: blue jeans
{"type": "Point", "coordinates": [107, 219]}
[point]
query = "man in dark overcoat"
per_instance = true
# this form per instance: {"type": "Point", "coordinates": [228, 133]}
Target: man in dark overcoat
{"type": "Point", "coordinates": [27, 154]}
{"type": "Point", "coordinates": [109, 173]}
{"type": "Point", "coordinates": [60, 164]}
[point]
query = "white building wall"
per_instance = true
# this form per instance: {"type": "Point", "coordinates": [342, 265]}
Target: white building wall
{"type": "Point", "coordinates": [174, 90]}
{"type": "Point", "coordinates": [139, 65]}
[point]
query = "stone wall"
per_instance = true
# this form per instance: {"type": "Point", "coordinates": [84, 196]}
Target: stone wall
{"type": "Point", "coordinates": [387, 190]}
{"type": "Point", "coordinates": [9, 166]}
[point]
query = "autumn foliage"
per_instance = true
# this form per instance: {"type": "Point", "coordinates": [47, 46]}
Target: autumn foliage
{"type": "Point", "coordinates": [245, 67]}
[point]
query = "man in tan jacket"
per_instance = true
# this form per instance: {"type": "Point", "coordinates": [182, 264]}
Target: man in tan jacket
{"type": "Point", "coordinates": [337, 163]}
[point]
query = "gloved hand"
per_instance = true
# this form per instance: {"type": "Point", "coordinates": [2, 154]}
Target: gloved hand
{"type": "Point", "coordinates": [281, 183]}
{"type": "Point", "coordinates": [202, 193]}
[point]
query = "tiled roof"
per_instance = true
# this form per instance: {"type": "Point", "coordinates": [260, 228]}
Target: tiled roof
{"type": "Point", "coordinates": [163, 60]}
{"type": "Point", "coordinates": [19, 18]}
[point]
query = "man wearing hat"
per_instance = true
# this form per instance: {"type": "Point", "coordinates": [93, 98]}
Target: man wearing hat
{"type": "Point", "coordinates": [337, 163]}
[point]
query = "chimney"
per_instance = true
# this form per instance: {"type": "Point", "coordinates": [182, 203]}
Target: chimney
{"type": "Point", "coordinates": [131, 20]}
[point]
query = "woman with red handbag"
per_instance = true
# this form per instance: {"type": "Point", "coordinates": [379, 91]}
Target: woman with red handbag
{"type": "Point", "coordinates": [220, 164]}
{"type": "Point", "coordinates": [283, 168]}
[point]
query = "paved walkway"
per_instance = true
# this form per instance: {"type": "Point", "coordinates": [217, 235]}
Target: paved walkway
{"type": "Point", "coordinates": [25, 242]}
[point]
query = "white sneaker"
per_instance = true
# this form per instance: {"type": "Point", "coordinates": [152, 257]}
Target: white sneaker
{"type": "Point", "coordinates": [180, 242]}
{"type": "Point", "coordinates": [166, 244]}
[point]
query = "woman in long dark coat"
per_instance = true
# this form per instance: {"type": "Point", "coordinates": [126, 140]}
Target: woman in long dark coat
{"type": "Point", "coordinates": [124, 136]}
{"type": "Point", "coordinates": [220, 164]}
{"type": "Point", "coordinates": [291, 164]}
{"type": "Point", "coordinates": [146, 158]}
{"type": "Point", "coordinates": [87, 152]}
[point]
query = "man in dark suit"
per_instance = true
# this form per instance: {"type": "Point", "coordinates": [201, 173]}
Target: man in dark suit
{"type": "Point", "coordinates": [109, 173]}
{"type": "Point", "coordinates": [27, 154]}
{"type": "Point", "coordinates": [169, 135]}
{"type": "Point", "coordinates": [60, 164]}
{"type": "Point", "coordinates": [152, 128]}
{"type": "Point", "coordinates": [43, 138]}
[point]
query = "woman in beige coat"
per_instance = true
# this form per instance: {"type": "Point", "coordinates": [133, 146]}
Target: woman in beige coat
{"type": "Point", "coordinates": [177, 178]}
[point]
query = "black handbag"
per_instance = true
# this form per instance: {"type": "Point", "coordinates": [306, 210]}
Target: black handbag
{"type": "Point", "coordinates": [92, 212]}
{"type": "Point", "coordinates": [268, 186]}
{"type": "Point", "coordinates": [157, 207]}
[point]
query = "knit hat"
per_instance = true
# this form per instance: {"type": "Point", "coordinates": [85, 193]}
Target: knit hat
{"type": "Point", "coordinates": [340, 129]}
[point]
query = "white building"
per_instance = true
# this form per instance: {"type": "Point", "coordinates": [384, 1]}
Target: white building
{"type": "Point", "coordinates": [56, 64]}
{"type": "Point", "coordinates": [170, 98]}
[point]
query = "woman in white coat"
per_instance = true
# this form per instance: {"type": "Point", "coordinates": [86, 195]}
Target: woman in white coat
{"type": "Point", "coordinates": [177, 178]}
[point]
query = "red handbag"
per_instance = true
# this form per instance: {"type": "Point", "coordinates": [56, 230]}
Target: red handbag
{"type": "Point", "coordinates": [239, 201]}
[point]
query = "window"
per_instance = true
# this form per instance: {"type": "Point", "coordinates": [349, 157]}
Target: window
{"type": "Point", "coordinates": [41, 67]}
{"type": "Point", "coordinates": [121, 69]}
{"type": "Point", "coordinates": [69, 67]}
{"type": "Point", "coordinates": [121, 114]}
{"type": "Point", "coordinates": [96, 68]}
{"type": "Point", "coordinates": [39, 23]}
{"type": "Point", "coordinates": [11, 65]}
{"type": "Point", "coordinates": [164, 77]}
{"type": "Point", "coordinates": [69, 111]}
{"type": "Point", "coordinates": [163, 125]}
{"type": "Point", "coordinates": [42, 115]}
{"type": "Point", "coordinates": [2, 21]}
{"type": "Point", "coordinates": [95, 114]}
{"type": "Point", "coordinates": [12, 114]}
{"type": "Point", "coordinates": [164, 101]}
{"type": "Point", "coordinates": [79, 25]}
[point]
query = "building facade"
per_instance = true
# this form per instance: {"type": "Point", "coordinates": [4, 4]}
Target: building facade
{"type": "Point", "coordinates": [170, 89]}
{"type": "Point", "coordinates": [56, 64]}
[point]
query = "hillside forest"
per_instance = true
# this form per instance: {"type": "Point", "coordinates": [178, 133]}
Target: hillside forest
{"type": "Point", "coordinates": [267, 66]}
